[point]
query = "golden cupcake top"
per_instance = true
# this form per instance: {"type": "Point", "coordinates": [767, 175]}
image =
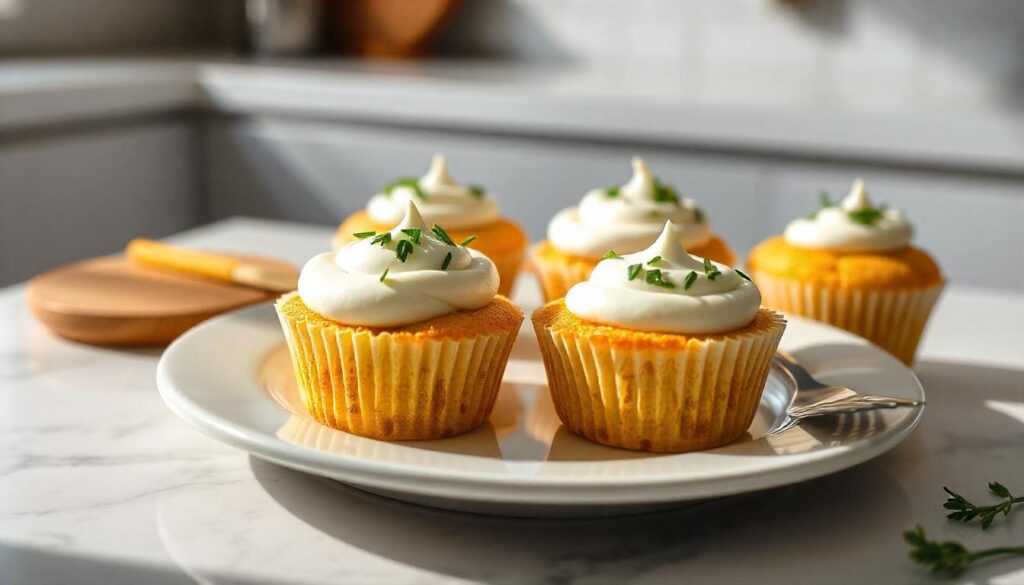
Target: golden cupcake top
{"type": "Point", "coordinates": [405, 275]}
{"type": "Point", "coordinates": [440, 198]}
{"type": "Point", "coordinates": [664, 289]}
{"type": "Point", "coordinates": [627, 218]}
{"type": "Point", "coordinates": [854, 224]}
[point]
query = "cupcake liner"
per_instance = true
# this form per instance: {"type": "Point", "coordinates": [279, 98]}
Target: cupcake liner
{"type": "Point", "coordinates": [891, 319]}
{"type": "Point", "coordinates": [388, 386]}
{"type": "Point", "coordinates": [557, 275]}
{"type": "Point", "coordinates": [647, 397]}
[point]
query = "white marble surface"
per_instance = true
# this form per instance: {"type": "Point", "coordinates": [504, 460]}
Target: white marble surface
{"type": "Point", "coordinates": [99, 483]}
{"type": "Point", "coordinates": [817, 112]}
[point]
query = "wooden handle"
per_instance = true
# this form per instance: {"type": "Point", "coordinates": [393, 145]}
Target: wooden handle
{"type": "Point", "coordinates": [209, 265]}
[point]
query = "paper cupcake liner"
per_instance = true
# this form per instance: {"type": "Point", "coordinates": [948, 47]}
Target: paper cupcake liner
{"type": "Point", "coordinates": [665, 400]}
{"type": "Point", "coordinates": [382, 386]}
{"type": "Point", "coordinates": [557, 277]}
{"type": "Point", "coordinates": [892, 319]}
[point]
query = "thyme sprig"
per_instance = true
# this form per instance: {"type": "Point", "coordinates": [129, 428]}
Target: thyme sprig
{"type": "Point", "coordinates": [950, 557]}
{"type": "Point", "coordinates": [963, 510]}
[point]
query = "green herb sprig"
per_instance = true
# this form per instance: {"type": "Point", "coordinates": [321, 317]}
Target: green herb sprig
{"type": "Point", "coordinates": [467, 241]}
{"type": "Point", "coordinates": [384, 274]}
{"type": "Point", "coordinates": [634, 270]}
{"type": "Point", "coordinates": [414, 234]}
{"type": "Point", "coordinates": [447, 261]}
{"type": "Point", "coordinates": [690, 279]}
{"type": "Point", "coordinates": [742, 274]}
{"type": "Point", "coordinates": [610, 255]}
{"type": "Point", "coordinates": [867, 216]}
{"type": "Point", "coordinates": [477, 190]}
{"type": "Point", "coordinates": [963, 510]}
{"type": "Point", "coordinates": [442, 235]}
{"type": "Point", "coordinates": [363, 235]}
{"type": "Point", "coordinates": [655, 259]}
{"type": "Point", "coordinates": [611, 192]}
{"type": "Point", "coordinates": [950, 557]}
{"type": "Point", "coordinates": [383, 239]}
{"type": "Point", "coordinates": [410, 182]}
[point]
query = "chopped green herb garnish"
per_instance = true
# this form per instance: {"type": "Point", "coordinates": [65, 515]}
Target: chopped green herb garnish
{"type": "Point", "coordinates": [363, 235]}
{"type": "Point", "coordinates": [611, 192]}
{"type": "Point", "coordinates": [711, 270]}
{"type": "Point", "coordinates": [447, 261]}
{"type": "Point", "coordinates": [477, 190]}
{"type": "Point", "coordinates": [634, 270]}
{"type": "Point", "coordinates": [655, 259]}
{"type": "Point", "coordinates": [610, 255]}
{"type": "Point", "coordinates": [385, 274]}
{"type": "Point", "coordinates": [690, 279]}
{"type": "Point", "coordinates": [656, 278]}
{"type": "Point", "coordinates": [742, 275]}
{"type": "Point", "coordinates": [414, 234]}
{"type": "Point", "coordinates": [698, 214]}
{"type": "Point", "coordinates": [442, 235]}
{"type": "Point", "coordinates": [467, 241]}
{"type": "Point", "coordinates": [382, 239]}
{"type": "Point", "coordinates": [410, 182]}
{"type": "Point", "coordinates": [664, 193]}
{"type": "Point", "coordinates": [867, 216]}
{"type": "Point", "coordinates": [823, 201]}
{"type": "Point", "coordinates": [403, 250]}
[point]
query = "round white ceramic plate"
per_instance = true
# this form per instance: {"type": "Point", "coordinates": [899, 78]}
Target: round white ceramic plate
{"type": "Point", "coordinates": [231, 378]}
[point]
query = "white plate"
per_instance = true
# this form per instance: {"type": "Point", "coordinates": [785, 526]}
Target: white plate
{"type": "Point", "coordinates": [230, 378]}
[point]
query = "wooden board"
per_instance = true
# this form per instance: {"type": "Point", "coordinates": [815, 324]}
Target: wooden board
{"type": "Point", "coordinates": [110, 301]}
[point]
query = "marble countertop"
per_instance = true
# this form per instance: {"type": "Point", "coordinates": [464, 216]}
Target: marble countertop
{"type": "Point", "coordinates": [834, 114]}
{"type": "Point", "coordinates": [100, 483]}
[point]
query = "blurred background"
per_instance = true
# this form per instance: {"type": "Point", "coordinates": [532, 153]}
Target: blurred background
{"type": "Point", "coordinates": [147, 117]}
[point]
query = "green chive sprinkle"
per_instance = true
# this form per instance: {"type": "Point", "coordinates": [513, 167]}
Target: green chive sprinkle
{"type": "Point", "coordinates": [442, 235]}
{"type": "Point", "coordinates": [447, 261]}
{"type": "Point", "coordinates": [382, 239]}
{"type": "Point", "coordinates": [414, 234]}
{"type": "Point", "coordinates": [611, 192]}
{"type": "Point", "coordinates": [634, 270]}
{"type": "Point", "coordinates": [867, 216]}
{"type": "Point", "coordinates": [698, 214]}
{"type": "Point", "coordinates": [711, 270]}
{"type": "Point", "coordinates": [477, 190]}
{"type": "Point", "coordinates": [364, 235]}
{"type": "Point", "coordinates": [690, 279]}
{"type": "Point", "coordinates": [657, 279]}
{"type": "Point", "coordinates": [403, 250]}
{"type": "Point", "coordinates": [385, 275]}
{"type": "Point", "coordinates": [664, 193]}
{"type": "Point", "coordinates": [742, 275]}
{"type": "Point", "coordinates": [610, 255]}
{"type": "Point", "coordinates": [655, 259]}
{"type": "Point", "coordinates": [825, 200]}
{"type": "Point", "coordinates": [410, 182]}
{"type": "Point", "coordinates": [467, 241]}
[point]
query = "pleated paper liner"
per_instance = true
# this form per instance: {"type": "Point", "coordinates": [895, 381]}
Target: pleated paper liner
{"type": "Point", "coordinates": [395, 386]}
{"type": "Point", "coordinates": [633, 393]}
{"type": "Point", "coordinates": [892, 319]}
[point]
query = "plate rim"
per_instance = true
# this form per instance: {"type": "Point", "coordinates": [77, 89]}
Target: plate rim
{"type": "Point", "coordinates": [517, 489]}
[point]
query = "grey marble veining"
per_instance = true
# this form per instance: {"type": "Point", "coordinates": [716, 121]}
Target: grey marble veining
{"type": "Point", "coordinates": [100, 483]}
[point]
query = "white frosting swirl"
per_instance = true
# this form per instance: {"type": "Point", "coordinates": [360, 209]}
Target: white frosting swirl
{"type": "Point", "coordinates": [443, 201]}
{"type": "Point", "coordinates": [346, 286]}
{"type": "Point", "coordinates": [626, 222]}
{"type": "Point", "coordinates": [833, 228]}
{"type": "Point", "coordinates": [712, 303]}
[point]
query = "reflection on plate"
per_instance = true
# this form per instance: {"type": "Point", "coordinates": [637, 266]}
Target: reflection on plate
{"type": "Point", "coordinates": [231, 378]}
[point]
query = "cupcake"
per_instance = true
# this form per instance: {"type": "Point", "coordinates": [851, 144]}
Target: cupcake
{"type": "Point", "coordinates": [851, 265]}
{"type": "Point", "coordinates": [400, 335]}
{"type": "Point", "coordinates": [658, 350]}
{"type": "Point", "coordinates": [465, 211]}
{"type": "Point", "coordinates": [625, 219]}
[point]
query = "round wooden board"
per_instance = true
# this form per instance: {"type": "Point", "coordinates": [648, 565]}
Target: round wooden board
{"type": "Point", "coordinates": [110, 301]}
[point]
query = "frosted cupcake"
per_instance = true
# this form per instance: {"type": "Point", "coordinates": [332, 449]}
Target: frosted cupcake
{"type": "Point", "coordinates": [400, 335]}
{"type": "Point", "coordinates": [625, 219]}
{"type": "Point", "coordinates": [658, 350]}
{"type": "Point", "coordinates": [464, 210]}
{"type": "Point", "coordinates": [852, 265]}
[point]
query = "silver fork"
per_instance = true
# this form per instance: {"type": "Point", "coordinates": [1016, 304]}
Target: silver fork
{"type": "Point", "coordinates": [814, 398]}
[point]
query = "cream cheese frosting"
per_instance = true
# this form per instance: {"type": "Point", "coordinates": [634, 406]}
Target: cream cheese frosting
{"type": "Point", "coordinates": [440, 199]}
{"type": "Point", "coordinates": [664, 289]}
{"type": "Point", "coordinates": [854, 225]}
{"type": "Point", "coordinates": [368, 282]}
{"type": "Point", "coordinates": [627, 218]}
